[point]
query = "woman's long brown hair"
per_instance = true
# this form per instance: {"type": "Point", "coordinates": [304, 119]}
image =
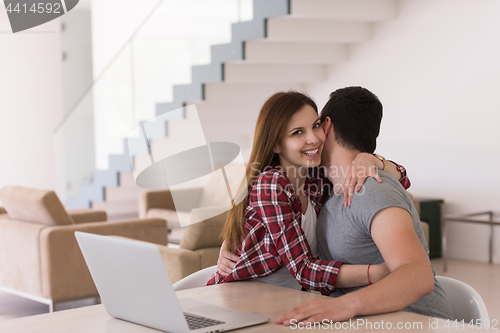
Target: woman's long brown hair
{"type": "Point", "coordinates": [271, 123]}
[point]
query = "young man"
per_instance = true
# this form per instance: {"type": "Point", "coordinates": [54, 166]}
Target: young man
{"type": "Point", "coordinates": [381, 225]}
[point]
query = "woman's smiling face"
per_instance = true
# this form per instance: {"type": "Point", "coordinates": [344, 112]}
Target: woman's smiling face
{"type": "Point", "coordinates": [302, 143]}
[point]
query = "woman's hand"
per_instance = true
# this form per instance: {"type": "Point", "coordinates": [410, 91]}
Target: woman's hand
{"type": "Point", "coordinates": [364, 165]}
{"type": "Point", "coordinates": [227, 260]}
{"type": "Point", "coordinates": [378, 272]}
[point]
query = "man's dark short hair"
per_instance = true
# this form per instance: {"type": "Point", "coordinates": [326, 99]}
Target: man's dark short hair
{"type": "Point", "coordinates": [356, 114]}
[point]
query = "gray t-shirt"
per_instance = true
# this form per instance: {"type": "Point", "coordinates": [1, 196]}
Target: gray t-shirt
{"type": "Point", "coordinates": [344, 235]}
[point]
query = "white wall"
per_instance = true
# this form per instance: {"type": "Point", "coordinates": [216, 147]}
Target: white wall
{"type": "Point", "coordinates": [30, 103]}
{"type": "Point", "coordinates": [436, 70]}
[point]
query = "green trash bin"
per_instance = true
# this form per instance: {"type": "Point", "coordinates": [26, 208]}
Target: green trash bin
{"type": "Point", "coordinates": [430, 212]}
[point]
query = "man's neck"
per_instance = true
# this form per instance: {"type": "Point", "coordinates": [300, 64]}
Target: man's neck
{"type": "Point", "coordinates": [338, 168]}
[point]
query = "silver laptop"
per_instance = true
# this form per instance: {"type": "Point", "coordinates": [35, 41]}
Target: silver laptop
{"type": "Point", "coordinates": [134, 286]}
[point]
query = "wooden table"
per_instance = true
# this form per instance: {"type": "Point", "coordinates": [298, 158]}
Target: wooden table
{"type": "Point", "coordinates": [254, 297]}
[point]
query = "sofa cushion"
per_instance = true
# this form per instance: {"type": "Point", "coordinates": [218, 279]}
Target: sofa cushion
{"type": "Point", "coordinates": [179, 262]}
{"type": "Point", "coordinates": [171, 216]}
{"type": "Point", "coordinates": [34, 205]}
{"type": "Point", "coordinates": [87, 215]}
{"type": "Point", "coordinates": [204, 234]}
{"type": "Point", "coordinates": [208, 256]}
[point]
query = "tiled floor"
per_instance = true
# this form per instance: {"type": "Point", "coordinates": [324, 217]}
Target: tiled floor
{"type": "Point", "coordinates": [482, 277]}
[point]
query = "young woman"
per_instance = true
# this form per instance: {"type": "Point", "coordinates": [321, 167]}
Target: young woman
{"type": "Point", "coordinates": [273, 230]}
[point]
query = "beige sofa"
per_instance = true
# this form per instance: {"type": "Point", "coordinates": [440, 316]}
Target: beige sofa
{"type": "Point", "coordinates": [160, 204]}
{"type": "Point", "coordinates": [207, 201]}
{"type": "Point", "coordinates": [199, 248]}
{"type": "Point", "coordinates": [200, 242]}
{"type": "Point", "coordinates": [39, 256]}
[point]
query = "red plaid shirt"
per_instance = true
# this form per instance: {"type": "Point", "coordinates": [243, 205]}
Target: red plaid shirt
{"type": "Point", "coordinates": [404, 180]}
{"type": "Point", "coordinates": [275, 238]}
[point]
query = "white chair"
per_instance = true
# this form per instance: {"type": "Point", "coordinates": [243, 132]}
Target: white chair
{"type": "Point", "coordinates": [465, 301]}
{"type": "Point", "coordinates": [195, 280]}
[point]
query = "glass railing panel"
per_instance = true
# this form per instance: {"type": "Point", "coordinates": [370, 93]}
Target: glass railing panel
{"type": "Point", "coordinates": [74, 150]}
{"type": "Point", "coordinates": [176, 36]}
{"type": "Point", "coordinates": [114, 108]}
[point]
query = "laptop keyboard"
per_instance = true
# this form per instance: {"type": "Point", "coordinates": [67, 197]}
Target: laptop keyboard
{"type": "Point", "coordinates": [196, 322]}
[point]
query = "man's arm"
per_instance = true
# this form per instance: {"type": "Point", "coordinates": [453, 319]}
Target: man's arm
{"type": "Point", "coordinates": [411, 275]}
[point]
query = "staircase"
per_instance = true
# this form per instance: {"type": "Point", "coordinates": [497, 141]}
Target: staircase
{"type": "Point", "coordinates": [288, 45]}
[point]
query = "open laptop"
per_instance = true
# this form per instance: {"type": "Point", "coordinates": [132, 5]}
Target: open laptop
{"type": "Point", "coordinates": [134, 286]}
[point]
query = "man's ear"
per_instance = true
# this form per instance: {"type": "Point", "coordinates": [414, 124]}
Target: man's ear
{"type": "Point", "coordinates": [327, 125]}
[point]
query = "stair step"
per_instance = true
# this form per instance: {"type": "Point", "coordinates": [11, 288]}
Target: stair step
{"type": "Point", "coordinates": [172, 145]}
{"type": "Point", "coordinates": [118, 207]}
{"type": "Point", "coordinates": [345, 10]}
{"type": "Point", "coordinates": [253, 72]}
{"type": "Point", "coordinates": [317, 30]}
{"type": "Point", "coordinates": [228, 121]}
{"type": "Point", "coordinates": [214, 111]}
{"type": "Point", "coordinates": [241, 116]}
{"type": "Point", "coordinates": [187, 132]}
{"type": "Point", "coordinates": [141, 162]}
{"type": "Point", "coordinates": [243, 137]}
{"type": "Point", "coordinates": [245, 92]}
{"type": "Point", "coordinates": [187, 127]}
{"type": "Point", "coordinates": [126, 179]}
{"type": "Point", "coordinates": [122, 193]}
{"type": "Point", "coordinates": [290, 52]}
{"type": "Point", "coordinates": [119, 162]}
{"type": "Point", "coordinates": [157, 127]}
